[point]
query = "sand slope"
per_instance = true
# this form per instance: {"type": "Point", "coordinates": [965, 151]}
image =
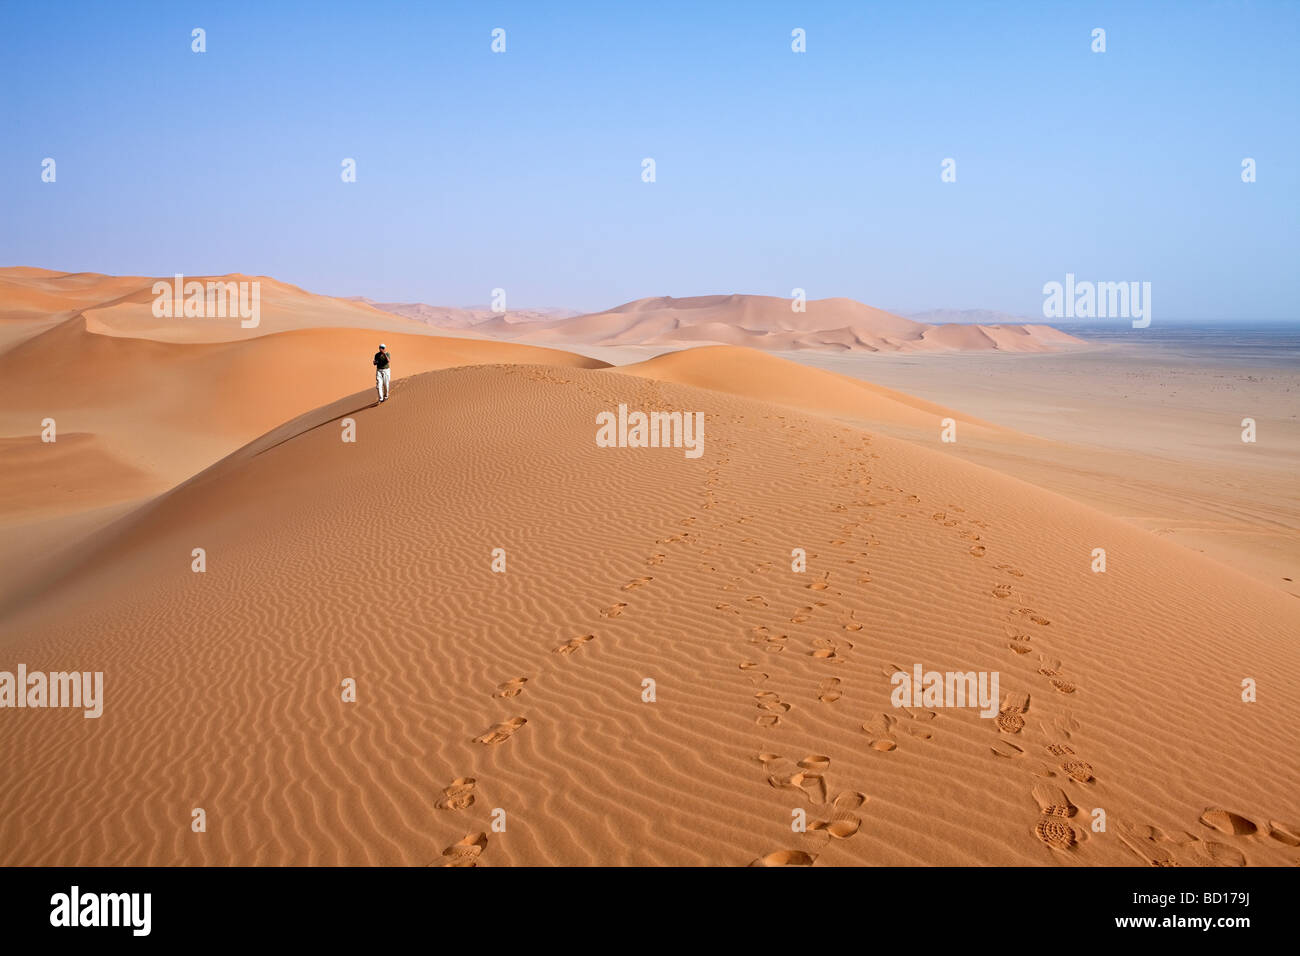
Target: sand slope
{"type": "Point", "coordinates": [523, 691]}
{"type": "Point", "coordinates": [751, 374]}
{"type": "Point", "coordinates": [28, 294]}
{"type": "Point", "coordinates": [168, 409]}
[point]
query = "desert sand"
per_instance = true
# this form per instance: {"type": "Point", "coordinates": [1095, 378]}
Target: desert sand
{"type": "Point", "coordinates": [1144, 433]}
{"type": "Point", "coordinates": [755, 321]}
{"type": "Point", "coordinates": [480, 693]}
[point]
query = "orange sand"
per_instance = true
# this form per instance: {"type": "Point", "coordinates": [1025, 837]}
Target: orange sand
{"type": "Point", "coordinates": [523, 691]}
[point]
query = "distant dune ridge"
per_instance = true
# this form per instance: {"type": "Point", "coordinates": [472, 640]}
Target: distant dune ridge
{"type": "Point", "coordinates": [121, 305]}
{"type": "Point", "coordinates": [371, 561]}
{"type": "Point", "coordinates": [761, 322]}
{"type": "Point", "coordinates": [463, 317]}
{"type": "Point", "coordinates": [967, 317]}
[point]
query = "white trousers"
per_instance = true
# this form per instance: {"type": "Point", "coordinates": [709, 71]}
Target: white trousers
{"type": "Point", "coordinates": [381, 382]}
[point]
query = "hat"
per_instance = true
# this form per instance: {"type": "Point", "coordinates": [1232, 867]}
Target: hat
{"type": "Point", "coordinates": [381, 345]}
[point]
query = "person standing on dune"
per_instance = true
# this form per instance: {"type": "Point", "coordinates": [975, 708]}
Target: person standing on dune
{"type": "Point", "coordinates": [382, 361]}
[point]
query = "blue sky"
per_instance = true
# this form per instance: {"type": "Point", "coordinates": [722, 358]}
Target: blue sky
{"type": "Point", "coordinates": [775, 170]}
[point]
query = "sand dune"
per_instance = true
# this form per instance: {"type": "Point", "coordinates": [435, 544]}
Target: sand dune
{"type": "Point", "coordinates": [168, 408]}
{"type": "Point", "coordinates": [750, 374]}
{"type": "Point", "coordinates": [523, 691]}
{"type": "Point", "coordinates": [28, 294]}
{"type": "Point", "coordinates": [464, 318]}
{"type": "Point", "coordinates": [123, 306]}
{"type": "Point", "coordinates": [765, 322]}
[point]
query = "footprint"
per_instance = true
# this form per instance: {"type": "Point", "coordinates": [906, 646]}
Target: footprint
{"type": "Point", "coordinates": [849, 800]}
{"type": "Point", "coordinates": [1010, 718]}
{"type": "Point", "coordinates": [772, 643]}
{"type": "Point", "coordinates": [570, 646]}
{"type": "Point", "coordinates": [1147, 843]}
{"type": "Point", "coordinates": [1156, 848]}
{"type": "Point", "coordinates": [829, 691]}
{"type": "Point", "coordinates": [1052, 801]}
{"type": "Point", "coordinates": [757, 599]}
{"type": "Point", "coordinates": [1018, 636]}
{"type": "Point", "coordinates": [1078, 770]}
{"type": "Point", "coordinates": [783, 775]}
{"type": "Point", "coordinates": [1005, 748]}
{"type": "Point", "coordinates": [812, 784]}
{"type": "Point", "coordinates": [771, 701]}
{"type": "Point", "coordinates": [844, 821]}
{"type": "Point", "coordinates": [656, 559]}
{"type": "Point", "coordinates": [1015, 703]}
{"type": "Point", "coordinates": [756, 677]}
{"type": "Point", "coordinates": [1002, 591]}
{"type": "Point", "coordinates": [458, 795]}
{"type": "Point", "coordinates": [801, 615]}
{"type": "Point", "coordinates": [511, 688]}
{"type": "Point", "coordinates": [1049, 667]}
{"type": "Point", "coordinates": [880, 728]}
{"type": "Point", "coordinates": [1063, 686]}
{"type": "Point", "coordinates": [1014, 572]}
{"type": "Point", "coordinates": [1055, 832]}
{"type": "Point", "coordinates": [1219, 854]}
{"type": "Point", "coordinates": [501, 732]}
{"type": "Point", "coordinates": [614, 610]}
{"type": "Point", "coordinates": [1009, 723]}
{"type": "Point", "coordinates": [977, 550]}
{"type": "Point", "coordinates": [1033, 616]}
{"type": "Point", "coordinates": [1285, 833]}
{"type": "Point", "coordinates": [467, 851]}
{"type": "Point", "coordinates": [639, 582]}
{"type": "Point", "coordinates": [824, 650]}
{"type": "Point", "coordinates": [785, 858]}
{"type": "Point", "coordinates": [1225, 821]}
